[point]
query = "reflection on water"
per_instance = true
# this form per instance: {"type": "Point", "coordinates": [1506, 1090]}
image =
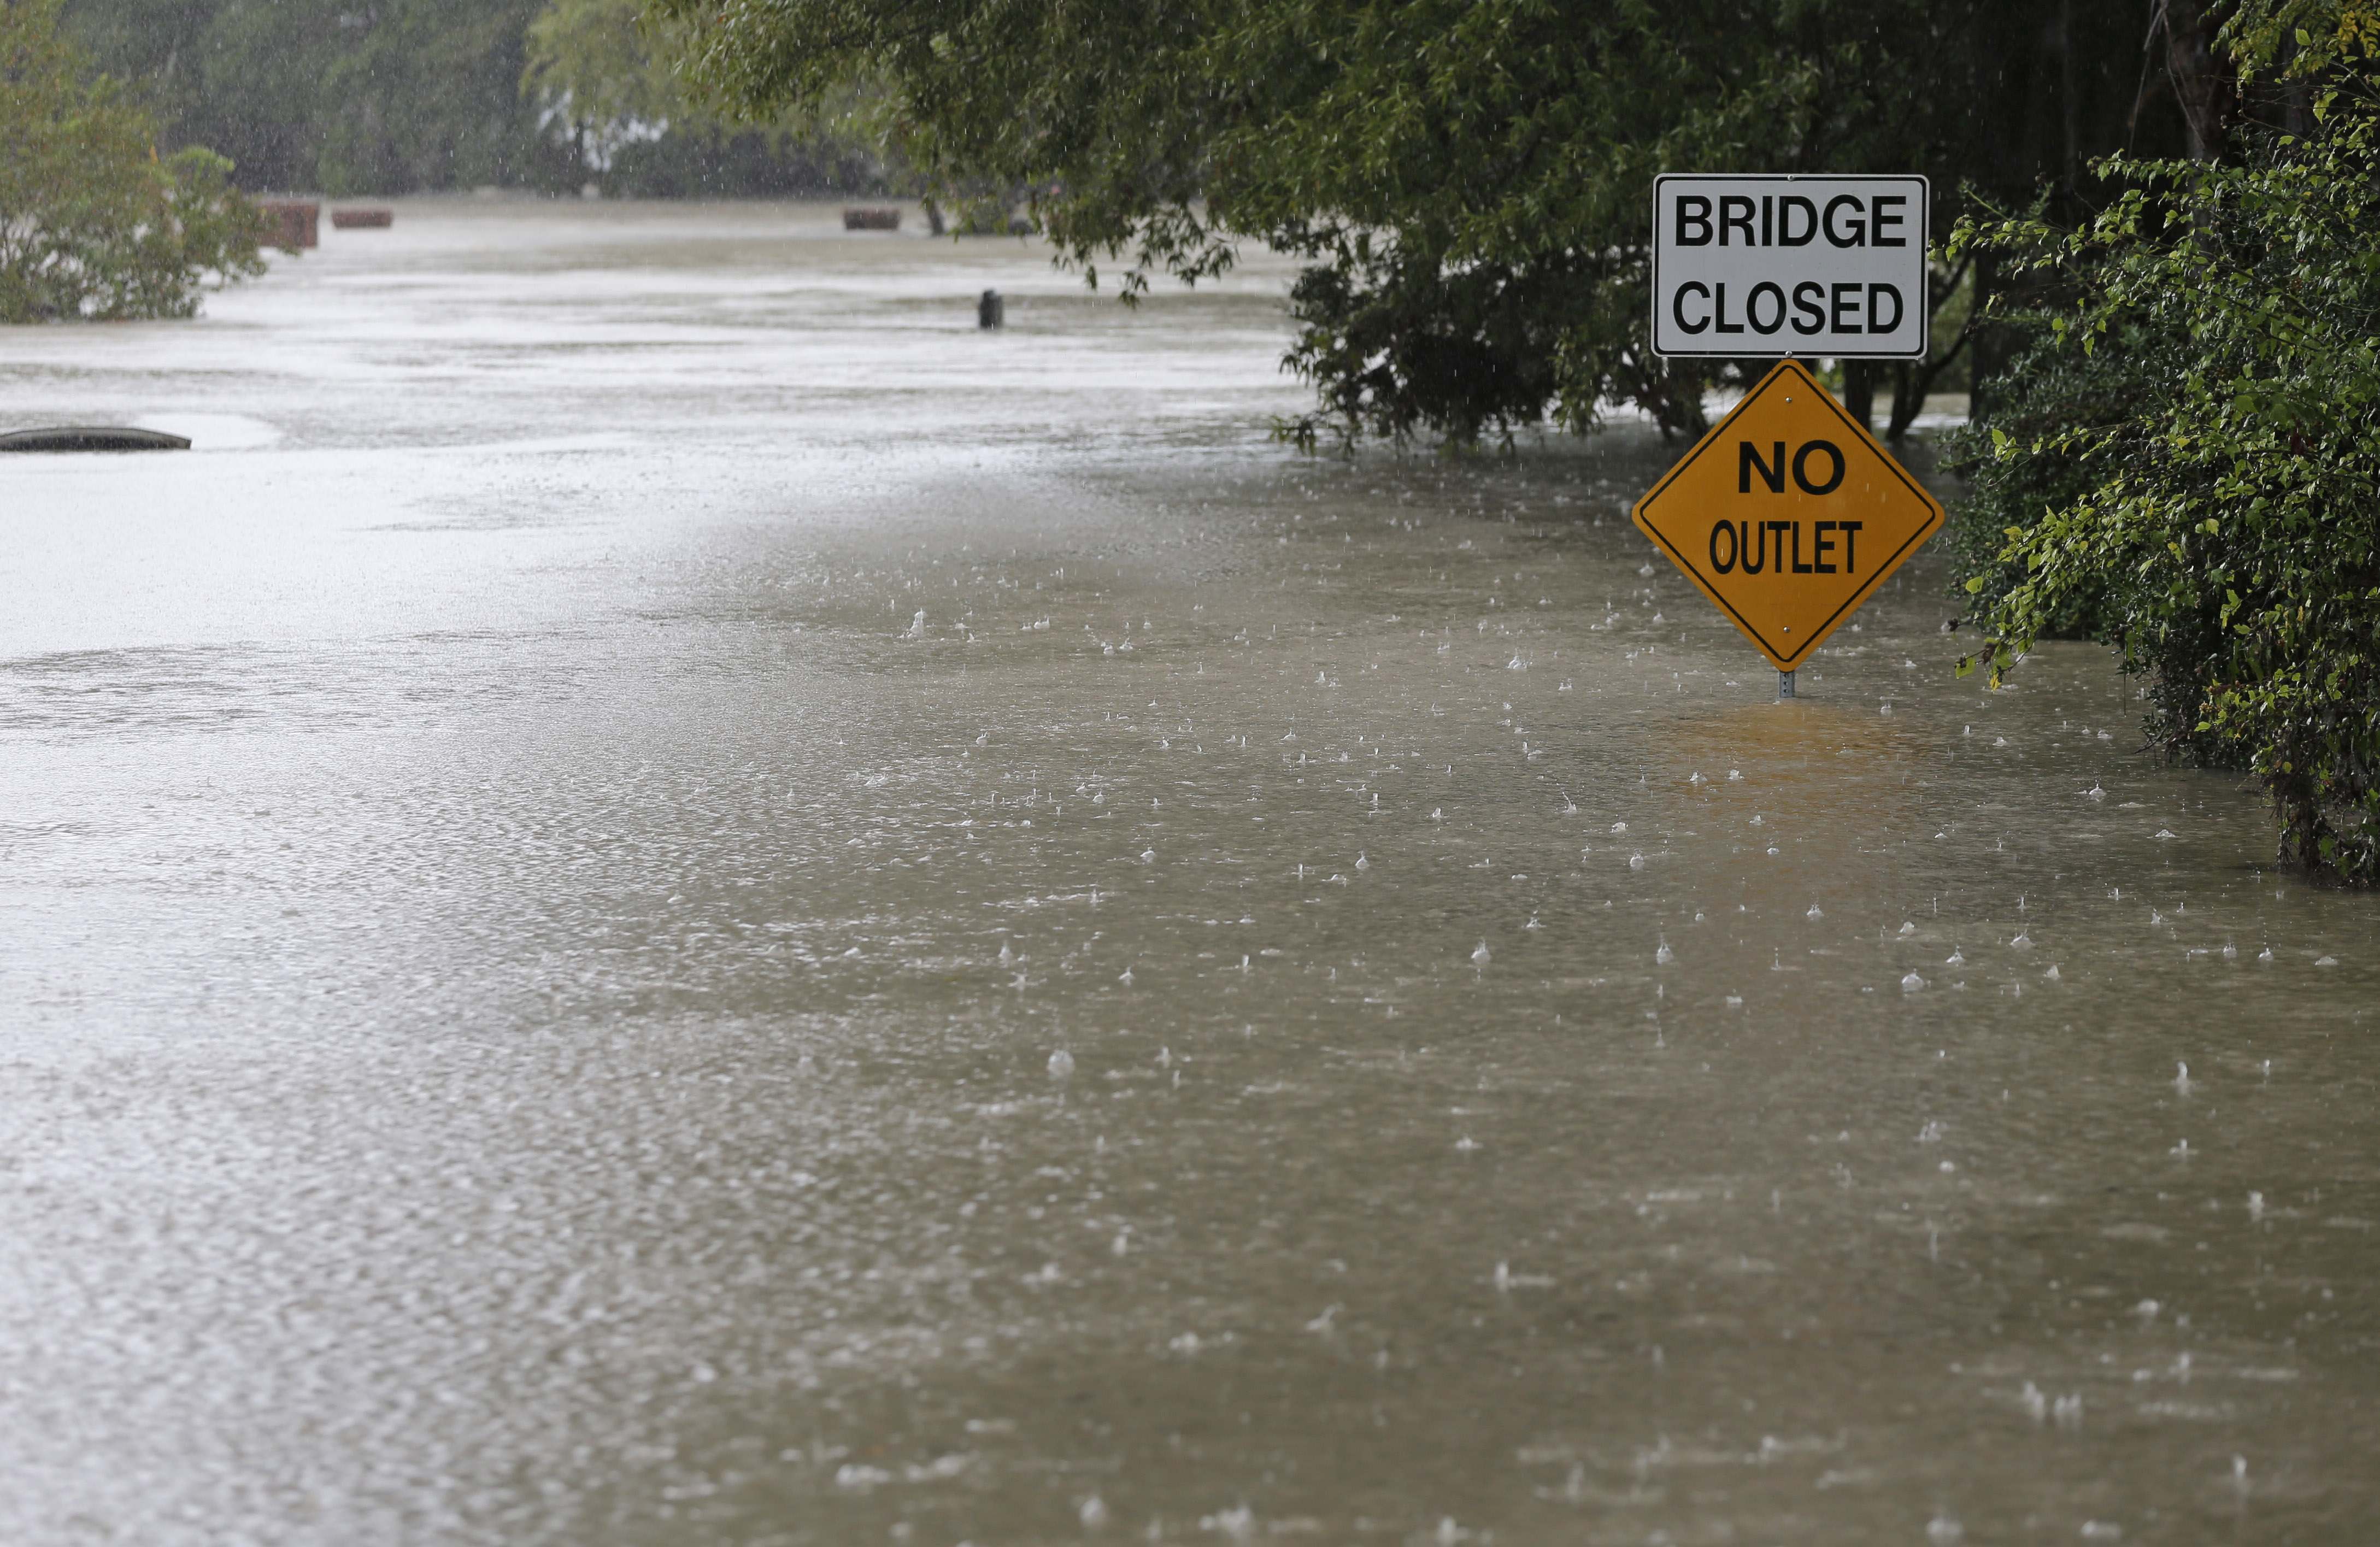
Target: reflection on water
{"type": "Point", "coordinates": [549, 872]}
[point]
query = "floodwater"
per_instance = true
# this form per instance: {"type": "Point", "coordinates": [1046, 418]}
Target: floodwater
{"type": "Point", "coordinates": [663, 896]}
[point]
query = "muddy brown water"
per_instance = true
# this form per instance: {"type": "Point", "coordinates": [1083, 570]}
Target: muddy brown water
{"type": "Point", "coordinates": [662, 896]}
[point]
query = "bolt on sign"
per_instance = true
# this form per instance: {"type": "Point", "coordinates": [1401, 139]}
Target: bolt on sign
{"type": "Point", "coordinates": [1788, 515]}
{"type": "Point", "coordinates": [1819, 267]}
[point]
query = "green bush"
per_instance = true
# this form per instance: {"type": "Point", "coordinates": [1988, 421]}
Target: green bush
{"type": "Point", "coordinates": [93, 223]}
{"type": "Point", "coordinates": [2188, 464]}
{"type": "Point", "coordinates": [2047, 387]}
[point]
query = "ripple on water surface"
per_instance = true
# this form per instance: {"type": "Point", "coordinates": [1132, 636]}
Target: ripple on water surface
{"type": "Point", "coordinates": [771, 920]}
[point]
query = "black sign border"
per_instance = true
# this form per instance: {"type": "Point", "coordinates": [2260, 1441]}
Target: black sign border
{"type": "Point", "coordinates": [1788, 368]}
{"type": "Point", "coordinates": [1924, 246]}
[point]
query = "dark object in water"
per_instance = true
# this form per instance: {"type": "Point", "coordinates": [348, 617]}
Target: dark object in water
{"type": "Point", "coordinates": [871, 218]}
{"type": "Point", "coordinates": [372, 219]}
{"type": "Point", "coordinates": [91, 437]}
{"type": "Point", "coordinates": [292, 225]}
{"type": "Point", "coordinates": [990, 311]}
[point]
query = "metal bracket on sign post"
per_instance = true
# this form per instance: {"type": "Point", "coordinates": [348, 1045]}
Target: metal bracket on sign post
{"type": "Point", "coordinates": [1784, 685]}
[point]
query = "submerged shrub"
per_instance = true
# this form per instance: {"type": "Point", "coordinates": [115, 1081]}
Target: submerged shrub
{"type": "Point", "coordinates": [93, 222]}
{"type": "Point", "coordinates": [2048, 387]}
{"type": "Point", "coordinates": [2188, 464]}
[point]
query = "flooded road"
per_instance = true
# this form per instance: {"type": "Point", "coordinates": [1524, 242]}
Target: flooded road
{"type": "Point", "coordinates": [662, 896]}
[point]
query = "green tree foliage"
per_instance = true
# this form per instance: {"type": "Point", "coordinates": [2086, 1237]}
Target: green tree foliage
{"type": "Point", "coordinates": [342, 96]}
{"type": "Point", "coordinates": [93, 223]}
{"type": "Point", "coordinates": [593, 60]}
{"type": "Point", "coordinates": [601, 69]}
{"type": "Point", "coordinates": [1470, 178]}
{"type": "Point", "coordinates": [2299, 40]}
{"type": "Point", "coordinates": [397, 96]}
{"type": "Point", "coordinates": [2048, 389]}
{"type": "Point", "coordinates": [2217, 512]}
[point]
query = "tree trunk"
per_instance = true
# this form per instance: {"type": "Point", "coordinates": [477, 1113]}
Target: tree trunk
{"type": "Point", "coordinates": [2070, 100]}
{"type": "Point", "coordinates": [2203, 82]}
{"type": "Point", "coordinates": [1859, 390]}
{"type": "Point", "coordinates": [1991, 344]}
{"type": "Point", "coordinates": [1909, 385]}
{"type": "Point", "coordinates": [2297, 110]}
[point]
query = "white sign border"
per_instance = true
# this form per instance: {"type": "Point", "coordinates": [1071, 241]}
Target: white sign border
{"type": "Point", "coordinates": [1924, 247]}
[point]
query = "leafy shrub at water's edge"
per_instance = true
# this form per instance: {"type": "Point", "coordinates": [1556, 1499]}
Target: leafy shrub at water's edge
{"type": "Point", "coordinates": [2047, 388]}
{"type": "Point", "coordinates": [2188, 464]}
{"type": "Point", "coordinates": [93, 222]}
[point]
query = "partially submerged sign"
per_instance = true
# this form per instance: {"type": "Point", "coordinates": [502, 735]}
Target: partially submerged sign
{"type": "Point", "coordinates": [1819, 267]}
{"type": "Point", "coordinates": [1788, 515]}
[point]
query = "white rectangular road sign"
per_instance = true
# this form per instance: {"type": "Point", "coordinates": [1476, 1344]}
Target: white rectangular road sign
{"type": "Point", "coordinates": [1779, 265]}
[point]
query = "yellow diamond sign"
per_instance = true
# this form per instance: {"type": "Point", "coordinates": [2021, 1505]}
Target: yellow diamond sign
{"type": "Point", "coordinates": [1788, 515]}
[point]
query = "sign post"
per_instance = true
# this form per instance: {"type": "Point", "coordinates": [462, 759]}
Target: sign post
{"type": "Point", "coordinates": [1788, 515]}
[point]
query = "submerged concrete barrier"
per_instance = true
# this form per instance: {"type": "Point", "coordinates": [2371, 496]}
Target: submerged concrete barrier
{"type": "Point", "coordinates": [990, 311]}
{"type": "Point", "coordinates": [871, 218]}
{"type": "Point", "coordinates": [367, 219]}
{"type": "Point", "coordinates": [91, 437]}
